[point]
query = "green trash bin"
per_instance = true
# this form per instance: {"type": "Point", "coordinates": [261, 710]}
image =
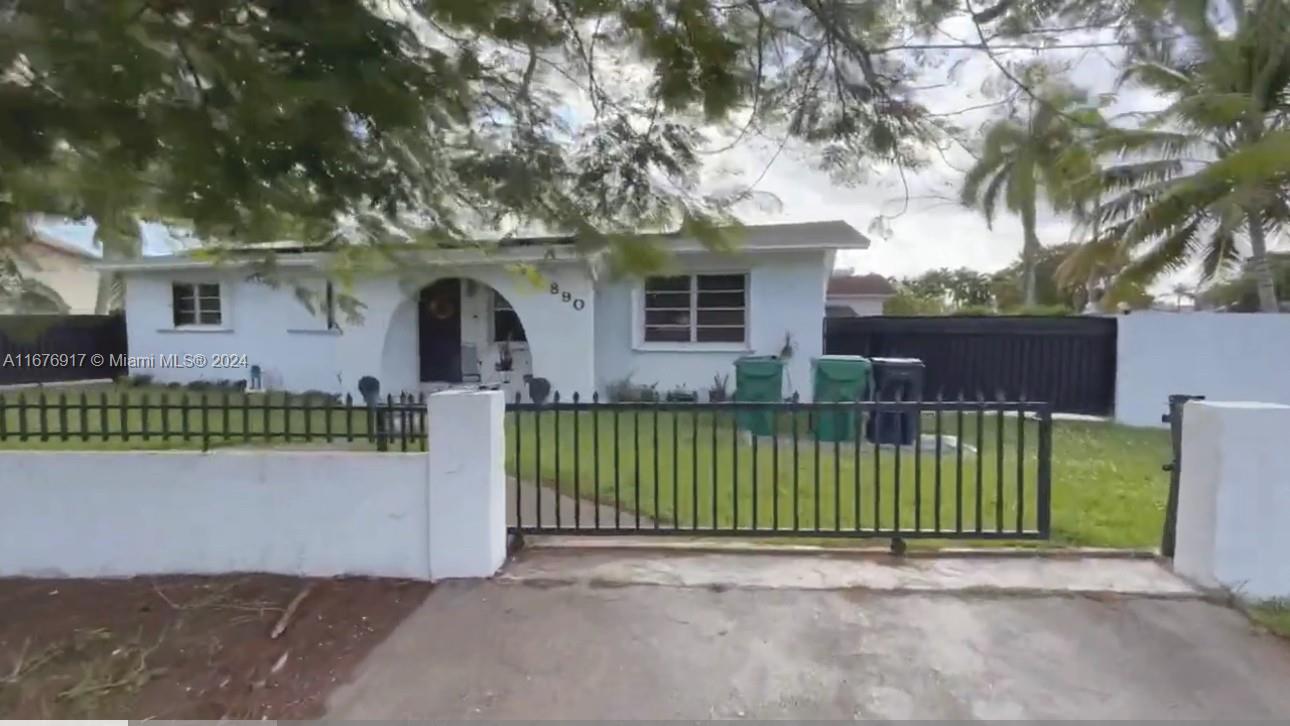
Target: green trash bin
{"type": "Point", "coordinates": [758, 378]}
{"type": "Point", "coordinates": [839, 378]}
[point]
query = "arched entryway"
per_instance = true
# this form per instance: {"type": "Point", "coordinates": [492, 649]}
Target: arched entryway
{"type": "Point", "coordinates": [468, 332]}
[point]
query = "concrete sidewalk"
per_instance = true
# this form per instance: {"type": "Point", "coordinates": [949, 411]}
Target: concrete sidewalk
{"type": "Point", "coordinates": [612, 634]}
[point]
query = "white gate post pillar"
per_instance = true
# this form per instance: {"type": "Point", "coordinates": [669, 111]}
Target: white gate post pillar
{"type": "Point", "coordinates": [1234, 498]}
{"type": "Point", "coordinates": [467, 483]}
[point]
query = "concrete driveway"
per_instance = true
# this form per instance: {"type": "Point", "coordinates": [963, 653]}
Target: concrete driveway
{"type": "Point", "coordinates": [657, 635]}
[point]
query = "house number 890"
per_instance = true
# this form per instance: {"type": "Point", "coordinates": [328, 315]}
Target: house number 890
{"type": "Point", "coordinates": [577, 302]}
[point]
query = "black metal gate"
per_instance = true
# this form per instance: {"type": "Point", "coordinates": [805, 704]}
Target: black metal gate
{"type": "Point", "coordinates": [1067, 361]}
{"type": "Point", "coordinates": [1175, 420]}
{"type": "Point", "coordinates": [939, 469]}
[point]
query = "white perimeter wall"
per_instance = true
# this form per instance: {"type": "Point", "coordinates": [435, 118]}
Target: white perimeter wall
{"type": "Point", "coordinates": [785, 294]}
{"type": "Point", "coordinates": [1223, 356]}
{"type": "Point", "coordinates": [428, 515]}
{"type": "Point", "coordinates": [116, 514]}
{"type": "Point", "coordinates": [1234, 498]}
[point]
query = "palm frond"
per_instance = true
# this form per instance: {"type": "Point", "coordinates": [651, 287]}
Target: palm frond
{"type": "Point", "coordinates": [1167, 254]}
{"type": "Point", "coordinates": [1126, 207]}
{"type": "Point", "coordinates": [1156, 76]}
{"type": "Point", "coordinates": [1136, 175]}
{"type": "Point", "coordinates": [1019, 192]}
{"type": "Point", "coordinates": [1167, 144]}
{"type": "Point", "coordinates": [1172, 209]}
{"type": "Point", "coordinates": [1221, 255]}
{"type": "Point", "coordinates": [976, 176]}
{"type": "Point", "coordinates": [1086, 259]}
{"type": "Point", "coordinates": [1205, 111]}
{"type": "Point", "coordinates": [1264, 163]}
{"type": "Point", "coordinates": [990, 199]}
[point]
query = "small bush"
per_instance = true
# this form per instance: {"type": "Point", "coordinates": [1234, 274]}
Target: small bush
{"type": "Point", "coordinates": [1041, 310]}
{"type": "Point", "coordinates": [624, 390]}
{"type": "Point", "coordinates": [324, 396]}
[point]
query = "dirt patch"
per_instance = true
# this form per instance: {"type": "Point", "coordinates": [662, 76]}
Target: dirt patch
{"type": "Point", "coordinates": [187, 647]}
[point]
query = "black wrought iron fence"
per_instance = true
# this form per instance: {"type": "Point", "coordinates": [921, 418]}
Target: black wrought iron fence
{"type": "Point", "coordinates": [899, 469]}
{"type": "Point", "coordinates": [180, 419]}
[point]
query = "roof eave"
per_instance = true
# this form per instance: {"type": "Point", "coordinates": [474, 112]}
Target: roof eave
{"type": "Point", "coordinates": [823, 236]}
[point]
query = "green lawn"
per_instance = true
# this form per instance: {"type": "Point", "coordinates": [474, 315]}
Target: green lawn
{"type": "Point", "coordinates": [1107, 486]}
{"type": "Point", "coordinates": [94, 417]}
{"type": "Point", "coordinates": [1273, 615]}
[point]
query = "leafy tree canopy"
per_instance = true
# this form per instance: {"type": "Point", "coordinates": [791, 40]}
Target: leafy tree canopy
{"type": "Point", "coordinates": [371, 121]}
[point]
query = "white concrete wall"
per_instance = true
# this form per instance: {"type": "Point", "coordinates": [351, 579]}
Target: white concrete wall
{"type": "Point", "coordinates": [296, 352]}
{"type": "Point", "coordinates": [1224, 356]}
{"type": "Point", "coordinates": [467, 484]}
{"type": "Point", "coordinates": [1233, 528]}
{"type": "Point", "coordinates": [786, 294]}
{"type": "Point", "coordinates": [275, 331]}
{"type": "Point", "coordinates": [118, 514]}
{"type": "Point", "coordinates": [315, 513]}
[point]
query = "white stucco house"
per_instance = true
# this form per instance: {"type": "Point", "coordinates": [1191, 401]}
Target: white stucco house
{"type": "Point", "coordinates": [470, 316]}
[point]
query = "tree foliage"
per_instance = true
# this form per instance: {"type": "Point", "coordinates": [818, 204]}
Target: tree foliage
{"type": "Point", "coordinates": [374, 121]}
{"type": "Point", "coordinates": [959, 288]}
{"type": "Point", "coordinates": [1212, 169]}
{"type": "Point", "coordinates": [1239, 293]}
{"type": "Point", "coordinates": [393, 120]}
{"type": "Point", "coordinates": [1045, 152]}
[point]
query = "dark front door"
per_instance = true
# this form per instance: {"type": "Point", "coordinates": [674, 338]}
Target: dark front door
{"type": "Point", "coordinates": [439, 327]}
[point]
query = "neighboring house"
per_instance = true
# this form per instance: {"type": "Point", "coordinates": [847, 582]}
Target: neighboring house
{"type": "Point", "coordinates": [458, 315]}
{"type": "Point", "coordinates": [858, 295]}
{"type": "Point", "coordinates": [53, 265]}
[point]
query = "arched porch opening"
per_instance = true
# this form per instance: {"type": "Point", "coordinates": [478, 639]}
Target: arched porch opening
{"type": "Point", "coordinates": [515, 325]}
{"type": "Point", "coordinates": [469, 333]}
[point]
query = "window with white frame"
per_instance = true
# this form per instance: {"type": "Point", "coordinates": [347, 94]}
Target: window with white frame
{"type": "Point", "coordinates": [197, 304]}
{"type": "Point", "coordinates": [696, 309]}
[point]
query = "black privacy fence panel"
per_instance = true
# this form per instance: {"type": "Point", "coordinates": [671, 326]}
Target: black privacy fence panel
{"type": "Point", "coordinates": [176, 419]}
{"type": "Point", "coordinates": [52, 348]}
{"type": "Point", "coordinates": [1067, 361]}
{"type": "Point", "coordinates": [934, 469]}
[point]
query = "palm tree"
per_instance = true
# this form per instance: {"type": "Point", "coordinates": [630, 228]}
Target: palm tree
{"type": "Point", "coordinates": [1021, 157]}
{"type": "Point", "coordinates": [1180, 291]}
{"type": "Point", "coordinates": [1215, 164]}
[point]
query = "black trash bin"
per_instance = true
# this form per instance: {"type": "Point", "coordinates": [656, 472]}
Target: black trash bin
{"type": "Point", "coordinates": [895, 379]}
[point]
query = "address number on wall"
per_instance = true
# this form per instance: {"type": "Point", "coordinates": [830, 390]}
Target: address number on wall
{"type": "Point", "coordinates": [567, 297]}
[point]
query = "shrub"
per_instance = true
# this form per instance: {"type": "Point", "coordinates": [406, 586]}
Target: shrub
{"type": "Point", "coordinates": [624, 390]}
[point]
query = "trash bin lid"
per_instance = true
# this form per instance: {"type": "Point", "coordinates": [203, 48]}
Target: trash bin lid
{"type": "Point", "coordinates": [759, 365]}
{"type": "Point", "coordinates": [842, 368]}
{"type": "Point", "coordinates": [898, 362]}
